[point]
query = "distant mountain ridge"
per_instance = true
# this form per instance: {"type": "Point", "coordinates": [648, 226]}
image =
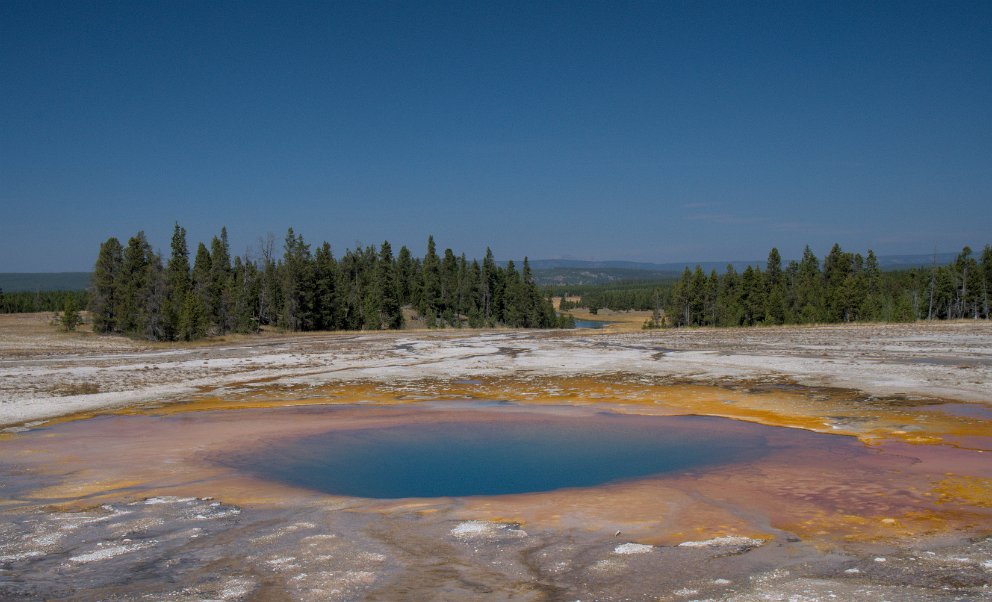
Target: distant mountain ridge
{"type": "Point", "coordinates": [546, 271]}
{"type": "Point", "coordinates": [16, 282]}
{"type": "Point", "coordinates": [885, 262]}
{"type": "Point", "coordinates": [540, 264]}
{"type": "Point", "coordinates": [576, 271]}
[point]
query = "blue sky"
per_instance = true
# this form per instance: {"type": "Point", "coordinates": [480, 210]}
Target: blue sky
{"type": "Point", "coordinates": [654, 131]}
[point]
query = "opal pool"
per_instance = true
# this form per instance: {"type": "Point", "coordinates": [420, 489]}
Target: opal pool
{"type": "Point", "coordinates": [500, 453]}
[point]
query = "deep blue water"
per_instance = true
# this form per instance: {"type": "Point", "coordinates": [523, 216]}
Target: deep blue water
{"type": "Point", "coordinates": [494, 456]}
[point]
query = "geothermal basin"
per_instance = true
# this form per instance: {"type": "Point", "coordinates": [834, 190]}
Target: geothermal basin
{"type": "Point", "coordinates": [502, 451]}
{"type": "Point", "coordinates": [471, 497]}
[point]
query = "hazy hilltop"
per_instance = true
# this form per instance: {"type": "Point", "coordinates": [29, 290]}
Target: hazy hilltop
{"type": "Point", "coordinates": [547, 272]}
{"type": "Point", "coordinates": [575, 271]}
{"type": "Point", "coordinates": [15, 282]}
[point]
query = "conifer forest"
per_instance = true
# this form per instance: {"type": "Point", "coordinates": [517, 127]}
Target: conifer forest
{"type": "Point", "coordinates": [848, 288]}
{"type": "Point", "coordinates": [844, 287]}
{"type": "Point", "coordinates": [137, 293]}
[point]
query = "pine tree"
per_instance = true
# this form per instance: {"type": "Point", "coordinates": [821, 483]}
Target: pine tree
{"type": "Point", "coordinates": [790, 282]}
{"type": "Point", "coordinates": [656, 313]}
{"type": "Point", "coordinates": [404, 275]}
{"type": "Point", "coordinates": [987, 281]}
{"type": "Point", "coordinates": [836, 269]}
{"type": "Point", "coordinates": [390, 310]}
{"type": "Point", "coordinates": [463, 292]}
{"type": "Point", "coordinates": [270, 289]}
{"type": "Point", "coordinates": [531, 300]}
{"type": "Point", "coordinates": [103, 287]}
{"type": "Point", "coordinates": [155, 298]}
{"type": "Point", "coordinates": [871, 307]}
{"type": "Point", "coordinates": [697, 296]}
{"type": "Point", "coordinates": [809, 289]}
{"type": "Point", "coordinates": [201, 280]}
{"type": "Point", "coordinates": [474, 289]}
{"type": "Point", "coordinates": [468, 285]}
{"type": "Point", "coordinates": [449, 288]}
{"type": "Point", "coordinates": [177, 284]}
{"type": "Point", "coordinates": [416, 282]}
{"type": "Point", "coordinates": [729, 299]}
{"type": "Point", "coordinates": [192, 323]}
{"type": "Point", "coordinates": [297, 284]}
{"type": "Point", "coordinates": [220, 294]}
{"type": "Point", "coordinates": [969, 278]}
{"type": "Point", "coordinates": [350, 291]}
{"type": "Point", "coordinates": [513, 303]}
{"type": "Point", "coordinates": [246, 291]}
{"type": "Point", "coordinates": [430, 301]}
{"type": "Point", "coordinates": [488, 285]}
{"type": "Point", "coordinates": [747, 290]}
{"type": "Point", "coordinates": [326, 302]}
{"type": "Point", "coordinates": [69, 318]}
{"type": "Point", "coordinates": [775, 289]}
{"type": "Point", "coordinates": [371, 294]}
{"type": "Point", "coordinates": [944, 293]}
{"type": "Point", "coordinates": [854, 290]}
{"type": "Point", "coordinates": [681, 304]}
{"type": "Point", "coordinates": [753, 298]}
{"type": "Point", "coordinates": [134, 286]}
{"type": "Point", "coordinates": [712, 299]}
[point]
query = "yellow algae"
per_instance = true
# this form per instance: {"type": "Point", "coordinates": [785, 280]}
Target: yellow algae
{"type": "Point", "coordinates": [968, 490]}
{"type": "Point", "coordinates": [833, 411]}
{"type": "Point", "coordinates": [850, 528]}
{"type": "Point", "coordinates": [792, 408]}
{"type": "Point", "coordinates": [84, 489]}
{"type": "Point", "coordinates": [815, 498]}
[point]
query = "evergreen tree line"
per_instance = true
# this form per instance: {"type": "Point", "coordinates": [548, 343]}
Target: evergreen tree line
{"type": "Point", "coordinates": [137, 293]}
{"type": "Point", "coordinates": [27, 302]}
{"type": "Point", "coordinates": [846, 287]}
{"type": "Point", "coordinates": [616, 296]}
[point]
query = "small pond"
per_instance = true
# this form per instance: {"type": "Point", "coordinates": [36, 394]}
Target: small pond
{"type": "Point", "coordinates": [495, 456]}
{"type": "Point", "coordinates": [591, 324]}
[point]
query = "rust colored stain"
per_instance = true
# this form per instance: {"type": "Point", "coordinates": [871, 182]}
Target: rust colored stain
{"type": "Point", "coordinates": [888, 478]}
{"type": "Point", "coordinates": [835, 411]}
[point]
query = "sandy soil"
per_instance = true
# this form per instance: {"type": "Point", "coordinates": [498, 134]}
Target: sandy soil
{"type": "Point", "coordinates": [889, 497]}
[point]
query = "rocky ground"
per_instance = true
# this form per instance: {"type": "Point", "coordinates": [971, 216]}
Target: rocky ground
{"type": "Point", "coordinates": [44, 374]}
{"type": "Point", "coordinates": [131, 506]}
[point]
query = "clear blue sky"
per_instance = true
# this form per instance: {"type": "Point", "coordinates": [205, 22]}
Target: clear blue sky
{"type": "Point", "coordinates": [654, 131]}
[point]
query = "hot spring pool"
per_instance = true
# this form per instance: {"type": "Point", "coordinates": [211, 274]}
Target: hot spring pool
{"type": "Point", "coordinates": [500, 454]}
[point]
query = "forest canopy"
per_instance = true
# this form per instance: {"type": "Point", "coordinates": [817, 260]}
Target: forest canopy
{"type": "Point", "coordinates": [844, 287]}
{"type": "Point", "coordinates": [137, 293]}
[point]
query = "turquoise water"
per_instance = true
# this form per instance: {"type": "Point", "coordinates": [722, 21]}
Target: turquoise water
{"type": "Point", "coordinates": [591, 324]}
{"type": "Point", "coordinates": [491, 456]}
